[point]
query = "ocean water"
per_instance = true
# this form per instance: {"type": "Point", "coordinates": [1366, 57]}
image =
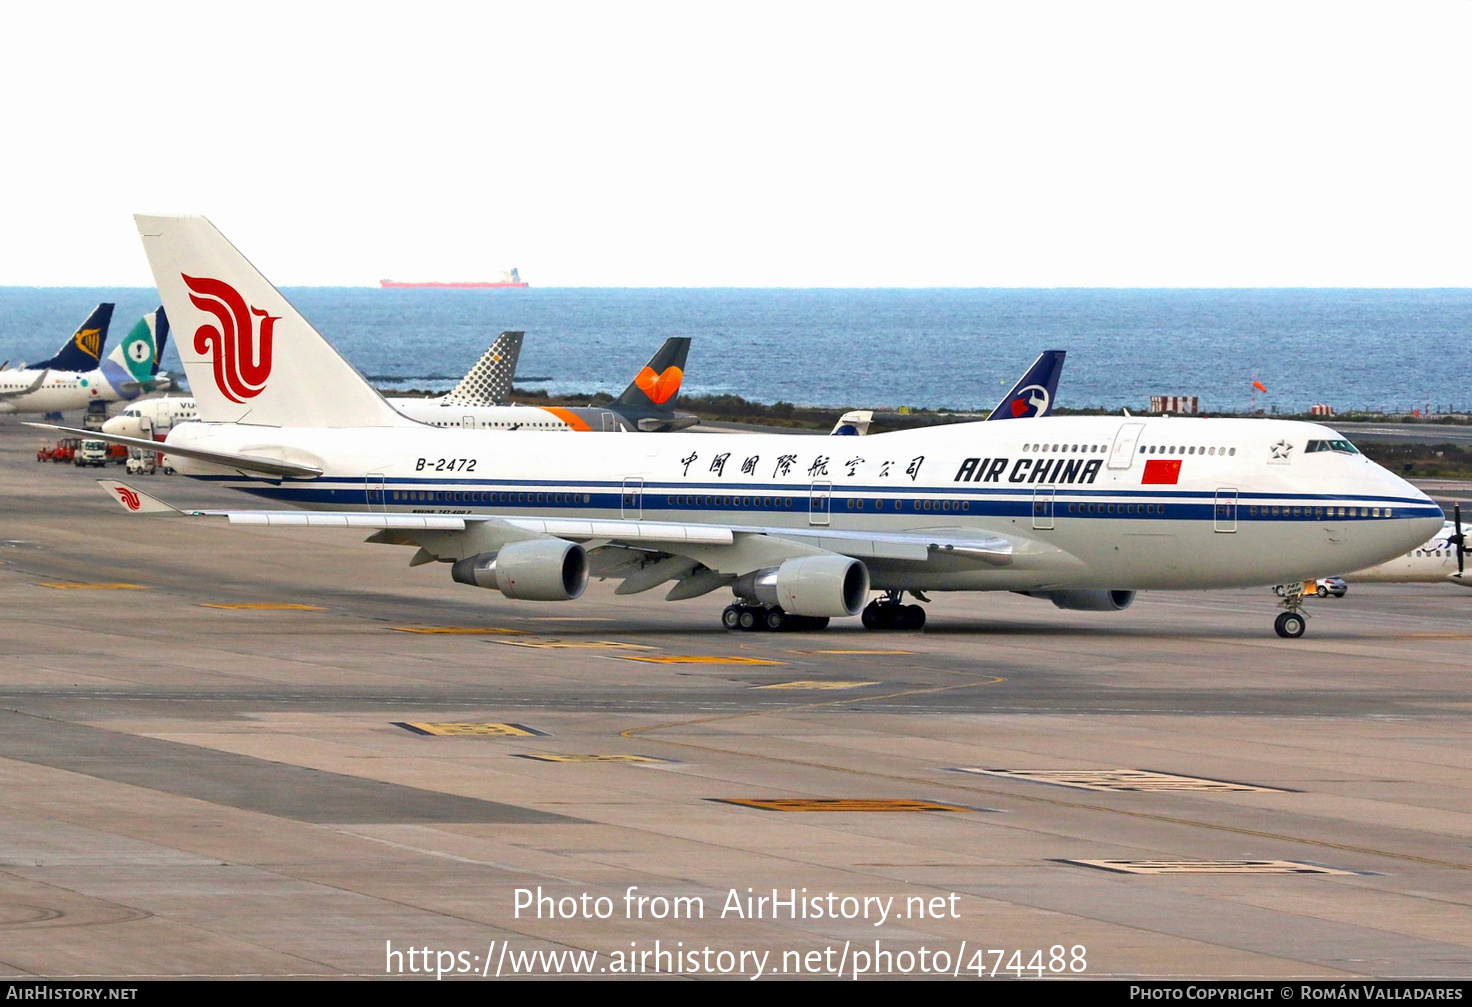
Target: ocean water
{"type": "Point", "coordinates": [1388, 350]}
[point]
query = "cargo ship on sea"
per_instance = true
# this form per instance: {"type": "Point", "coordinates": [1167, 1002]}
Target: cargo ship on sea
{"type": "Point", "coordinates": [510, 278]}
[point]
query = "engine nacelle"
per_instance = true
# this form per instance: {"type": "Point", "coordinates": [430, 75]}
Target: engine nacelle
{"type": "Point", "coordinates": [810, 585]}
{"type": "Point", "coordinates": [543, 569]}
{"type": "Point", "coordinates": [1088, 600]}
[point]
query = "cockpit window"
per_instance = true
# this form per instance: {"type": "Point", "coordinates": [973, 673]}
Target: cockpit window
{"type": "Point", "coordinates": [1341, 446]}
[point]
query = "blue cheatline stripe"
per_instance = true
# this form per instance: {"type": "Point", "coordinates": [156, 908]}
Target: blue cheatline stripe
{"type": "Point", "coordinates": [354, 494]}
{"type": "Point", "coordinates": [651, 491]}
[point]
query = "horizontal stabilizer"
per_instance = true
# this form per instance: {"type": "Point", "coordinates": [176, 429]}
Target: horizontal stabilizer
{"type": "Point", "coordinates": [229, 459]}
{"type": "Point", "coordinates": [135, 500]}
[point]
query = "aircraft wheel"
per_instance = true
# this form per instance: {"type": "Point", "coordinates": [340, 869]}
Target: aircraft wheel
{"type": "Point", "coordinates": [872, 618]}
{"type": "Point", "coordinates": [775, 619]}
{"type": "Point", "coordinates": [731, 617]}
{"type": "Point", "coordinates": [746, 619]}
{"type": "Point", "coordinates": [1290, 625]}
{"type": "Point", "coordinates": [911, 617]}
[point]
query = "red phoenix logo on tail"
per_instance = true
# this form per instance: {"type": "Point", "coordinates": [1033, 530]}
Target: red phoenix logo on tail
{"type": "Point", "coordinates": [242, 358]}
{"type": "Point", "coordinates": [130, 499]}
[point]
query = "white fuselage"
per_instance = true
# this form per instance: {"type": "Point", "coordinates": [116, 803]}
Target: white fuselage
{"type": "Point", "coordinates": [62, 391]}
{"type": "Point", "coordinates": [1088, 502]}
{"type": "Point", "coordinates": [1429, 563]}
{"type": "Point", "coordinates": [437, 413]}
{"type": "Point", "coordinates": [152, 417]}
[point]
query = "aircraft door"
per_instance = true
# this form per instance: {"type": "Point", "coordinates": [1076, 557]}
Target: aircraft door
{"type": "Point", "coordinates": [145, 427]}
{"type": "Point", "coordinates": [1042, 508]}
{"type": "Point", "coordinates": [610, 422]}
{"type": "Point", "coordinates": [1123, 454]}
{"type": "Point", "coordinates": [631, 504]}
{"type": "Point", "coordinates": [820, 499]}
{"type": "Point", "coordinates": [468, 422]}
{"type": "Point", "coordinates": [373, 487]}
{"type": "Point", "coordinates": [1225, 519]}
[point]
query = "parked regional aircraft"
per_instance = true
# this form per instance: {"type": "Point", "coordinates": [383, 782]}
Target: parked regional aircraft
{"type": "Point", "coordinates": [647, 404]}
{"type": "Point", "coordinates": [1082, 511]}
{"type": "Point", "coordinates": [1440, 559]}
{"type": "Point", "coordinates": [129, 370]}
{"type": "Point", "coordinates": [1032, 396]}
{"type": "Point", "coordinates": [153, 418]}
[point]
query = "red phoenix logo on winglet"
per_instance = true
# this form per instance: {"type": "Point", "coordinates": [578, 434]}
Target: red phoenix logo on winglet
{"type": "Point", "coordinates": [130, 499]}
{"type": "Point", "coordinates": [242, 358]}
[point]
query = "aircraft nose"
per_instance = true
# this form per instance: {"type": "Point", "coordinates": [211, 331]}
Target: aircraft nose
{"type": "Point", "coordinates": [1416, 513]}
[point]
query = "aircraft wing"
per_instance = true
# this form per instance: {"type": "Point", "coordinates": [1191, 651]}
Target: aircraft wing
{"type": "Point", "coordinates": [27, 390]}
{"type": "Point", "coordinates": [279, 467]}
{"type": "Point", "coordinates": [715, 553]}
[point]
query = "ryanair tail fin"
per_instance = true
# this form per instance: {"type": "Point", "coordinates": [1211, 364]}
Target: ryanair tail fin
{"type": "Point", "coordinates": [653, 390]}
{"type": "Point", "coordinates": [488, 383]}
{"type": "Point", "coordinates": [1033, 395]}
{"type": "Point", "coordinates": [83, 351]}
{"type": "Point", "coordinates": [249, 354]}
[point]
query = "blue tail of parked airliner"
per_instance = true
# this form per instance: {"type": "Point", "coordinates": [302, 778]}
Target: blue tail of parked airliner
{"type": "Point", "coordinates": [1034, 394]}
{"type": "Point", "coordinates": [83, 351]}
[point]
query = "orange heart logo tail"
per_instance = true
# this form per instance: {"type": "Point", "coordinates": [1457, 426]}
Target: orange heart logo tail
{"type": "Point", "coordinates": [659, 387]}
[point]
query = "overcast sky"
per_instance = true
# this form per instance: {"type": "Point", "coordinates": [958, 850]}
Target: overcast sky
{"type": "Point", "coordinates": [786, 144]}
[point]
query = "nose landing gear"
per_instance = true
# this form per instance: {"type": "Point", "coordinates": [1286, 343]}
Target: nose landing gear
{"type": "Point", "coordinates": [1291, 623]}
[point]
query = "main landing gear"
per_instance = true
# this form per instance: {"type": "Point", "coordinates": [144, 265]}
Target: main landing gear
{"type": "Point", "coordinates": [889, 613]}
{"type": "Point", "coordinates": [1291, 623]}
{"type": "Point", "coordinates": [756, 618]}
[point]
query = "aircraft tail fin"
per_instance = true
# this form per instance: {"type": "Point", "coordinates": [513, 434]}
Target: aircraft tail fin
{"type": "Point", "coordinates": [1034, 394]}
{"type": "Point", "coordinates": [160, 322]}
{"type": "Point", "coordinates": [83, 350]}
{"type": "Point", "coordinates": [488, 383]}
{"type": "Point", "coordinates": [252, 357]}
{"type": "Point", "coordinates": [854, 423]}
{"type": "Point", "coordinates": [653, 390]}
{"type": "Point", "coordinates": [133, 363]}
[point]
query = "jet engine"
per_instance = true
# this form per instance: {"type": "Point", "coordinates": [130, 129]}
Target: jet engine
{"type": "Point", "coordinates": [1088, 600]}
{"type": "Point", "coordinates": [810, 585]}
{"type": "Point", "coordinates": [543, 569]}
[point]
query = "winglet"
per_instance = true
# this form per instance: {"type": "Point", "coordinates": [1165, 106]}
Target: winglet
{"type": "Point", "coordinates": [135, 500]}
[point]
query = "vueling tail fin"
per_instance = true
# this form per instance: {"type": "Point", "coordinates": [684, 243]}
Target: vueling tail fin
{"type": "Point", "coordinates": [83, 351]}
{"type": "Point", "coordinates": [249, 354]}
{"type": "Point", "coordinates": [654, 388]}
{"type": "Point", "coordinates": [488, 383]}
{"type": "Point", "coordinates": [1033, 395]}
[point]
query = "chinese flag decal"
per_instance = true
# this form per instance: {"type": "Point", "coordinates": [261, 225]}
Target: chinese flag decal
{"type": "Point", "coordinates": [1162, 472]}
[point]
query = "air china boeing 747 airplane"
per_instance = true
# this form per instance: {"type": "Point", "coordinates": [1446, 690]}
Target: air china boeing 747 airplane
{"type": "Point", "coordinates": [1082, 511]}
